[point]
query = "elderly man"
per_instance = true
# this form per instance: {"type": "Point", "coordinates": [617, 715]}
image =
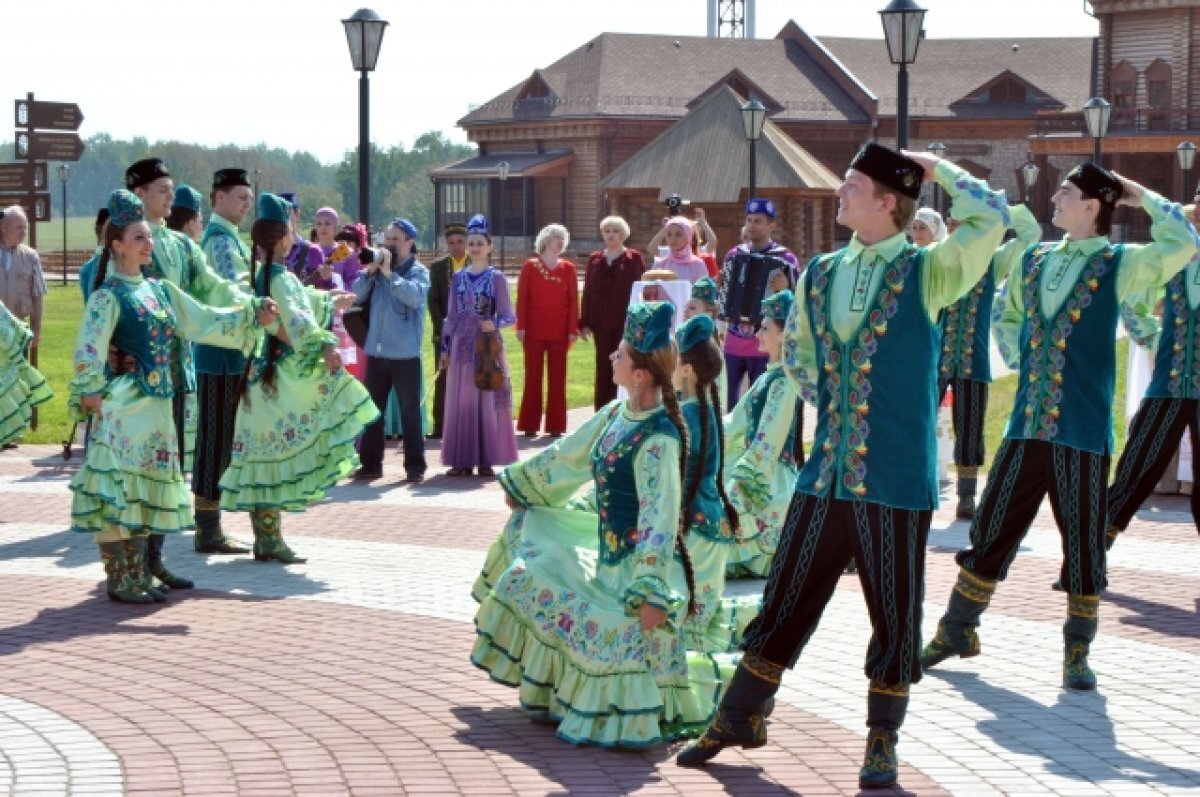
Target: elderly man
{"type": "Point", "coordinates": [396, 287]}
{"type": "Point", "coordinates": [22, 285]}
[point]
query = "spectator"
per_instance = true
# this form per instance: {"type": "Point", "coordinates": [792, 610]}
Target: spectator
{"type": "Point", "coordinates": [441, 272]}
{"type": "Point", "coordinates": [22, 285]}
{"type": "Point", "coordinates": [396, 290]}
{"type": "Point", "coordinates": [607, 285]}
{"type": "Point", "coordinates": [547, 326]}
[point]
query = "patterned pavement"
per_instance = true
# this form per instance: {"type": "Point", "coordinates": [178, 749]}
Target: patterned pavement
{"type": "Point", "coordinates": [349, 674]}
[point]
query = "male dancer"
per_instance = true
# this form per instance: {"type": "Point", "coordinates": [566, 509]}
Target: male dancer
{"type": "Point", "coordinates": [965, 365]}
{"type": "Point", "coordinates": [219, 370]}
{"type": "Point", "coordinates": [440, 273]}
{"type": "Point", "coordinates": [1059, 321]}
{"type": "Point", "coordinates": [864, 331]}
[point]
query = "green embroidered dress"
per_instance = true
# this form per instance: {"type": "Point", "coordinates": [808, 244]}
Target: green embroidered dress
{"type": "Point", "coordinates": [131, 479]}
{"type": "Point", "coordinates": [762, 459]}
{"type": "Point", "coordinates": [22, 387]}
{"type": "Point", "coordinates": [562, 589]}
{"type": "Point", "coordinates": [292, 441]}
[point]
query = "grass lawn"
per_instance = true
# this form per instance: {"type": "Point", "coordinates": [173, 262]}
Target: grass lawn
{"type": "Point", "coordinates": [64, 306]}
{"type": "Point", "coordinates": [80, 235]}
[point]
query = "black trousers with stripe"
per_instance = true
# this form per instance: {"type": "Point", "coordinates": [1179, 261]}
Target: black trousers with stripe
{"type": "Point", "coordinates": [1153, 439]}
{"type": "Point", "coordinates": [218, 399]}
{"type": "Point", "coordinates": [822, 534]}
{"type": "Point", "coordinates": [1025, 472]}
{"type": "Point", "coordinates": [969, 410]}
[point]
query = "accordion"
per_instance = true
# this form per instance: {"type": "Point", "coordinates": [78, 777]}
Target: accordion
{"type": "Point", "coordinates": [746, 279]}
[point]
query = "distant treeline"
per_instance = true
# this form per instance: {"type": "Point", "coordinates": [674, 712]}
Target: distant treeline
{"type": "Point", "coordinates": [400, 183]}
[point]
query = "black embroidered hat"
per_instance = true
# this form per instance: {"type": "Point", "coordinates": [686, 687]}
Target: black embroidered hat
{"type": "Point", "coordinates": [1096, 182]}
{"type": "Point", "coordinates": [891, 169]}
{"type": "Point", "coordinates": [145, 172]}
{"type": "Point", "coordinates": [229, 178]}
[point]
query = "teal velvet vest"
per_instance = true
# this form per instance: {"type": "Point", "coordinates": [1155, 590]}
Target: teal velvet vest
{"type": "Point", "coordinates": [616, 489]}
{"type": "Point", "coordinates": [214, 359]}
{"type": "Point", "coordinates": [793, 450]}
{"type": "Point", "coordinates": [965, 328]}
{"type": "Point", "coordinates": [874, 439]}
{"type": "Point", "coordinates": [706, 515]}
{"type": "Point", "coordinates": [147, 334]}
{"type": "Point", "coordinates": [1177, 362]}
{"type": "Point", "coordinates": [1068, 362]}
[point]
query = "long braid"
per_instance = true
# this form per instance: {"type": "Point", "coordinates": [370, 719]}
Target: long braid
{"type": "Point", "coordinates": [102, 268]}
{"type": "Point", "coordinates": [730, 513]}
{"type": "Point", "coordinates": [676, 417]}
{"type": "Point", "coordinates": [244, 382]}
{"type": "Point", "coordinates": [693, 485]}
{"type": "Point", "coordinates": [264, 235]}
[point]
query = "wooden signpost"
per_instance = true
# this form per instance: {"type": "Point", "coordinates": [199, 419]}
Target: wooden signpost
{"type": "Point", "coordinates": [45, 132]}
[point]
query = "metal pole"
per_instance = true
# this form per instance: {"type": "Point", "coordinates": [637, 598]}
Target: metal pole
{"type": "Point", "coordinates": [1096, 151]}
{"type": "Point", "coordinates": [902, 107]}
{"type": "Point", "coordinates": [65, 229]}
{"type": "Point", "coordinates": [364, 149]}
{"type": "Point", "coordinates": [503, 214]}
{"type": "Point", "coordinates": [1186, 175]}
{"type": "Point", "coordinates": [753, 168]}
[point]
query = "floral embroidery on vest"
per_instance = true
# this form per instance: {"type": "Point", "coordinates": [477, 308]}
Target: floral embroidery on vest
{"type": "Point", "coordinates": [146, 315]}
{"type": "Point", "coordinates": [1183, 381]}
{"type": "Point", "coordinates": [608, 457]}
{"type": "Point", "coordinates": [1048, 339]}
{"type": "Point", "coordinates": [958, 336]}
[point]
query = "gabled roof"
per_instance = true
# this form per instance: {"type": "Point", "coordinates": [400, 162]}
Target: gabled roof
{"type": "Point", "coordinates": [947, 70]}
{"type": "Point", "coordinates": [736, 79]}
{"type": "Point", "coordinates": [521, 164]}
{"type": "Point", "coordinates": [712, 135]}
{"type": "Point", "coordinates": [649, 76]}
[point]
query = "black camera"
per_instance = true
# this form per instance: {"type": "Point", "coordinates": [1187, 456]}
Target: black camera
{"type": "Point", "coordinates": [675, 204]}
{"type": "Point", "coordinates": [368, 256]}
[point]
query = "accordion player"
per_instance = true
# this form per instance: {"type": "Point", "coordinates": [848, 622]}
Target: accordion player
{"type": "Point", "coordinates": [746, 278]}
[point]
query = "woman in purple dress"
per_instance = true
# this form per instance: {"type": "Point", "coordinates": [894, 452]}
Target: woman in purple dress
{"type": "Point", "coordinates": [478, 426]}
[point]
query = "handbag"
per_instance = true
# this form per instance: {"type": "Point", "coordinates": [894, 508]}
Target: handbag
{"type": "Point", "coordinates": [489, 375]}
{"type": "Point", "coordinates": [356, 320]}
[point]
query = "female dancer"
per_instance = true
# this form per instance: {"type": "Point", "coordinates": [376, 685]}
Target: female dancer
{"type": "Point", "coordinates": [763, 435]}
{"type": "Point", "coordinates": [593, 638]}
{"type": "Point", "coordinates": [22, 387]}
{"type": "Point", "coordinates": [301, 412]}
{"type": "Point", "coordinates": [478, 423]}
{"type": "Point", "coordinates": [130, 484]}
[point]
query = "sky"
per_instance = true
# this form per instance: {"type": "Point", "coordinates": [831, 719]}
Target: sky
{"type": "Point", "coordinates": [248, 71]}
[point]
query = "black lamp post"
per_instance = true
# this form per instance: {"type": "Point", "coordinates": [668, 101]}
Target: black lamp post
{"type": "Point", "coordinates": [364, 33]}
{"type": "Point", "coordinates": [64, 173]}
{"type": "Point", "coordinates": [1095, 117]}
{"type": "Point", "coordinates": [502, 172]}
{"type": "Point", "coordinates": [1187, 156]}
{"type": "Point", "coordinates": [902, 21]}
{"type": "Point", "coordinates": [753, 116]}
{"type": "Point", "coordinates": [938, 150]}
{"type": "Point", "coordinates": [1029, 175]}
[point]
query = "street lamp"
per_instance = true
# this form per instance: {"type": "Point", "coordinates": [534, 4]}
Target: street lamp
{"type": "Point", "coordinates": [64, 173]}
{"type": "Point", "coordinates": [1029, 175]}
{"type": "Point", "coordinates": [902, 21]}
{"type": "Point", "coordinates": [1095, 118]}
{"type": "Point", "coordinates": [938, 150]}
{"type": "Point", "coordinates": [1187, 156]}
{"type": "Point", "coordinates": [364, 33]}
{"type": "Point", "coordinates": [502, 172]}
{"type": "Point", "coordinates": [753, 116]}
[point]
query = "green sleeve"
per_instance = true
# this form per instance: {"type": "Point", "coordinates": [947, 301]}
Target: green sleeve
{"type": "Point", "coordinates": [229, 328]}
{"type": "Point", "coordinates": [1028, 232]}
{"type": "Point", "coordinates": [91, 349]}
{"type": "Point", "coordinates": [552, 476]}
{"type": "Point", "coordinates": [753, 473]}
{"type": "Point", "coordinates": [799, 355]}
{"type": "Point", "coordinates": [656, 472]}
{"type": "Point", "coordinates": [1174, 243]}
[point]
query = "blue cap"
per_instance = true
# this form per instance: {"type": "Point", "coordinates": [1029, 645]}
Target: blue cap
{"type": "Point", "coordinates": [478, 225]}
{"type": "Point", "coordinates": [405, 226]}
{"type": "Point", "coordinates": [648, 326]}
{"type": "Point", "coordinates": [778, 306]}
{"type": "Point", "coordinates": [124, 208]}
{"type": "Point", "coordinates": [290, 198]}
{"type": "Point", "coordinates": [763, 206]}
{"type": "Point", "coordinates": [273, 208]}
{"type": "Point", "coordinates": [186, 197]}
{"type": "Point", "coordinates": [696, 329]}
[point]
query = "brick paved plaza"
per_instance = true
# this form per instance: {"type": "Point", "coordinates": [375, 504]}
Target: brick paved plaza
{"type": "Point", "coordinates": [349, 674]}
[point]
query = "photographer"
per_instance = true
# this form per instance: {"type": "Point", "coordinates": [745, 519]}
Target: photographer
{"type": "Point", "coordinates": [395, 284]}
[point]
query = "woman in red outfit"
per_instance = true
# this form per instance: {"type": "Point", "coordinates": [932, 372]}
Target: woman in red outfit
{"type": "Point", "coordinates": [547, 325]}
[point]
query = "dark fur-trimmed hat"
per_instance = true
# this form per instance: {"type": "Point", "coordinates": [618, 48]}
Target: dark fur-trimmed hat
{"type": "Point", "coordinates": [891, 169]}
{"type": "Point", "coordinates": [145, 172]}
{"type": "Point", "coordinates": [1096, 182]}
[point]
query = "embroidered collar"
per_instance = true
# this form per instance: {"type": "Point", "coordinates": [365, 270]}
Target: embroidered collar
{"type": "Point", "coordinates": [888, 249]}
{"type": "Point", "coordinates": [1087, 246]}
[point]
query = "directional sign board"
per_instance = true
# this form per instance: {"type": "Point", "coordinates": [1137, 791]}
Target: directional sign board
{"type": "Point", "coordinates": [48, 115]}
{"type": "Point", "coordinates": [36, 205]}
{"type": "Point", "coordinates": [16, 176]}
{"type": "Point", "coordinates": [34, 145]}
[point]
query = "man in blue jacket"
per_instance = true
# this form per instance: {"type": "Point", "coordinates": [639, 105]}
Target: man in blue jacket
{"type": "Point", "coordinates": [396, 289]}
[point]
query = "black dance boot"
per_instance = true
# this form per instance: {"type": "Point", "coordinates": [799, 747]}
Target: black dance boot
{"type": "Point", "coordinates": [740, 719]}
{"type": "Point", "coordinates": [967, 479]}
{"type": "Point", "coordinates": [1078, 633]}
{"type": "Point", "coordinates": [956, 634]}
{"type": "Point", "coordinates": [886, 707]}
{"type": "Point", "coordinates": [210, 538]}
{"type": "Point", "coordinates": [154, 563]}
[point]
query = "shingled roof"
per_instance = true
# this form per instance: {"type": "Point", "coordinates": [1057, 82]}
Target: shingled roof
{"type": "Point", "coordinates": [712, 134]}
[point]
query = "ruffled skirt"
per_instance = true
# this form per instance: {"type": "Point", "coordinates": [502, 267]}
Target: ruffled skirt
{"type": "Point", "coordinates": [22, 387]}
